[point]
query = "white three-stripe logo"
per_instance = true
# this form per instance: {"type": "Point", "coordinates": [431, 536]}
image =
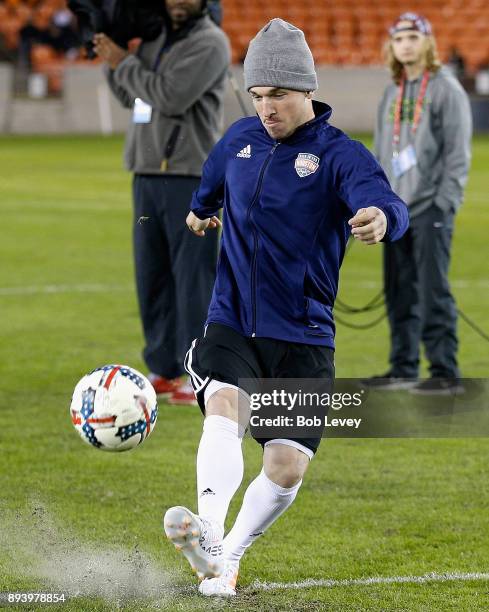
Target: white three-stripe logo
{"type": "Point", "coordinates": [246, 152]}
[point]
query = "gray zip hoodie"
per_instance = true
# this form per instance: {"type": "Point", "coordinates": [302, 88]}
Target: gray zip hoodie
{"type": "Point", "coordinates": [441, 142]}
{"type": "Point", "coordinates": [185, 88]}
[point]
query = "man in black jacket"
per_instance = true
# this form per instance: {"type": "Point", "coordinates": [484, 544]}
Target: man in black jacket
{"type": "Point", "coordinates": [175, 85]}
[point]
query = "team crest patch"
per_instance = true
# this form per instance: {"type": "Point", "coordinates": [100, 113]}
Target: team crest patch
{"type": "Point", "coordinates": [306, 164]}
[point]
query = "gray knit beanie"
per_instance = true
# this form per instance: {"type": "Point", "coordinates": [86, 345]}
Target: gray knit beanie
{"type": "Point", "coordinates": [278, 56]}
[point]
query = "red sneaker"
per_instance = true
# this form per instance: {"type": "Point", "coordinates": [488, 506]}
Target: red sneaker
{"type": "Point", "coordinates": [184, 395]}
{"type": "Point", "coordinates": [164, 386]}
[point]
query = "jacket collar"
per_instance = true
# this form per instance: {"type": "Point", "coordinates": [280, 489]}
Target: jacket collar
{"type": "Point", "coordinates": [172, 36]}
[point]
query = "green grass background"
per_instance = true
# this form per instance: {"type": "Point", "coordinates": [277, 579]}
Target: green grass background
{"type": "Point", "coordinates": [367, 507]}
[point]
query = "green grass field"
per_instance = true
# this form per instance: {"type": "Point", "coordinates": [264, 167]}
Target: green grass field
{"type": "Point", "coordinates": [79, 520]}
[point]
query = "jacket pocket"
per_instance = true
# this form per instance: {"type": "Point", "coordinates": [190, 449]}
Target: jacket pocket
{"type": "Point", "coordinates": [317, 319]}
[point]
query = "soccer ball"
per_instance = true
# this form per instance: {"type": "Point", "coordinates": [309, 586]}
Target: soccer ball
{"type": "Point", "coordinates": [114, 408]}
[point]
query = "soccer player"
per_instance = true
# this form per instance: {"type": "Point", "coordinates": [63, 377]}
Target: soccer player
{"type": "Point", "coordinates": [422, 140]}
{"type": "Point", "coordinates": [293, 188]}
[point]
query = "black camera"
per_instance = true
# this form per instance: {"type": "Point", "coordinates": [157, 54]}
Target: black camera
{"type": "Point", "coordinates": [124, 20]}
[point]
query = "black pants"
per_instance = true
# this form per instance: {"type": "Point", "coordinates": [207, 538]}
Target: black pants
{"type": "Point", "coordinates": [175, 270]}
{"type": "Point", "coordinates": [420, 305]}
{"type": "Point", "coordinates": [226, 356]}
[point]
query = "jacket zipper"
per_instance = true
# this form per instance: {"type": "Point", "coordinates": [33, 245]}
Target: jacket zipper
{"type": "Point", "coordinates": [255, 238]}
{"type": "Point", "coordinates": [170, 147]}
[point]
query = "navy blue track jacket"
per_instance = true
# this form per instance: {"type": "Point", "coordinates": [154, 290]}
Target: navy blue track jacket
{"type": "Point", "coordinates": [285, 224]}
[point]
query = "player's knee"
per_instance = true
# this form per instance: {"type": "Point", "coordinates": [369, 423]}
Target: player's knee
{"type": "Point", "coordinates": [223, 403]}
{"type": "Point", "coordinates": [284, 465]}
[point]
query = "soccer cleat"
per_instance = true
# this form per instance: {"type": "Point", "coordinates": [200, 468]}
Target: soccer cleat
{"type": "Point", "coordinates": [184, 395]}
{"type": "Point", "coordinates": [222, 586]}
{"type": "Point", "coordinates": [164, 387]}
{"type": "Point", "coordinates": [198, 539]}
{"type": "Point", "coordinates": [388, 382]}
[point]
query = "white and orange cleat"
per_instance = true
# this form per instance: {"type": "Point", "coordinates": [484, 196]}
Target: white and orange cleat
{"type": "Point", "coordinates": [224, 585]}
{"type": "Point", "coordinates": [198, 539]}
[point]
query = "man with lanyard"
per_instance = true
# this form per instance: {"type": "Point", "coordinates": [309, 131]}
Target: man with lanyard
{"type": "Point", "coordinates": [175, 86]}
{"type": "Point", "coordinates": [422, 140]}
{"type": "Point", "coordinates": [293, 189]}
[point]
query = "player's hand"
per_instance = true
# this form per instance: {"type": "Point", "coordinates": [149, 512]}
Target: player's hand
{"type": "Point", "coordinates": [369, 225]}
{"type": "Point", "coordinates": [198, 226]}
{"type": "Point", "coordinates": [107, 50]}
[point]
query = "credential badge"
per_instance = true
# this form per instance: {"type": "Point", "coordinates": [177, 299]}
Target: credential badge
{"type": "Point", "coordinates": [306, 164]}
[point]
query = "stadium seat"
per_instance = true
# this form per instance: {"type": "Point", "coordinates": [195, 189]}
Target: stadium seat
{"type": "Point", "coordinates": [355, 31]}
{"type": "Point", "coordinates": [46, 61]}
{"type": "Point", "coordinates": [23, 12]}
{"type": "Point", "coordinates": [349, 32]}
{"type": "Point", "coordinates": [10, 27]}
{"type": "Point", "coordinates": [42, 54]}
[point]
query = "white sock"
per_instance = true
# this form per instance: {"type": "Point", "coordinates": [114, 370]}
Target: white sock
{"type": "Point", "coordinates": [263, 502]}
{"type": "Point", "coordinates": [219, 467]}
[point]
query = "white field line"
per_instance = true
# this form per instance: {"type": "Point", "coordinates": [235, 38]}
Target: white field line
{"type": "Point", "coordinates": [103, 288]}
{"type": "Point", "coordinates": [84, 288]}
{"type": "Point", "coordinates": [480, 283]}
{"type": "Point", "coordinates": [310, 582]}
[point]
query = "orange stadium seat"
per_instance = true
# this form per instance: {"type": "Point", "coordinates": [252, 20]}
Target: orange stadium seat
{"type": "Point", "coordinates": [323, 26]}
{"type": "Point", "coordinates": [354, 31]}
{"type": "Point", "coordinates": [318, 12]}
{"type": "Point", "coordinates": [23, 12]}
{"type": "Point", "coordinates": [41, 54]}
{"type": "Point", "coordinates": [46, 61]}
{"type": "Point", "coordinates": [4, 12]}
{"type": "Point", "coordinates": [344, 27]}
{"type": "Point", "coordinates": [10, 27]}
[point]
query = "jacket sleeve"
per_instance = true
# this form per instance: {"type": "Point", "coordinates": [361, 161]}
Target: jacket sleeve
{"type": "Point", "coordinates": [209, 197]}
{"type": "Point", "coordinates": [120, 93]}
{"type": "Point", "coordinates": [361, 182]}
{"type": "Point", "coordinates": [456, 129]}
{"type": "Point", "coordinates": [182, 84]}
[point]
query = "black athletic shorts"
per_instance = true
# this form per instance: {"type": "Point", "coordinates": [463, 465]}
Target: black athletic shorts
{"type": "Point", "coordinates": [226, 356]}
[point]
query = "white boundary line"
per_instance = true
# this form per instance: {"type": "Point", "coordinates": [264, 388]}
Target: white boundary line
{"type": "Point", "coordinates": [460, 283]}
{"type": "Point", "coordinates": [101, 288]}
{"type": "Point", "coordinates": [311, 582]}
{"type": "Point", "coordinates": [44, 289]}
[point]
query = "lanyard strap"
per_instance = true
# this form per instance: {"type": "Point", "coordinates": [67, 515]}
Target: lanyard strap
{"type": "Point", "coordinates": [417, 111]}
{"type": "Point", "coordinates": [160, 55]}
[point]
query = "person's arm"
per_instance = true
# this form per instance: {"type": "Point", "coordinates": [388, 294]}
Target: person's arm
{"type": "Point", "coordinates": [182, 84]}
{"type": "Point", "coordinates": [456, 129]}
{"type": "Point", "coordinates": [112, 54]}
{"type": "Point", "coordinates": [208, 199]}
{"type": "Point", "coordinates": [379, 214]}
{"type": "Point", "coordinates": [120, 93]}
